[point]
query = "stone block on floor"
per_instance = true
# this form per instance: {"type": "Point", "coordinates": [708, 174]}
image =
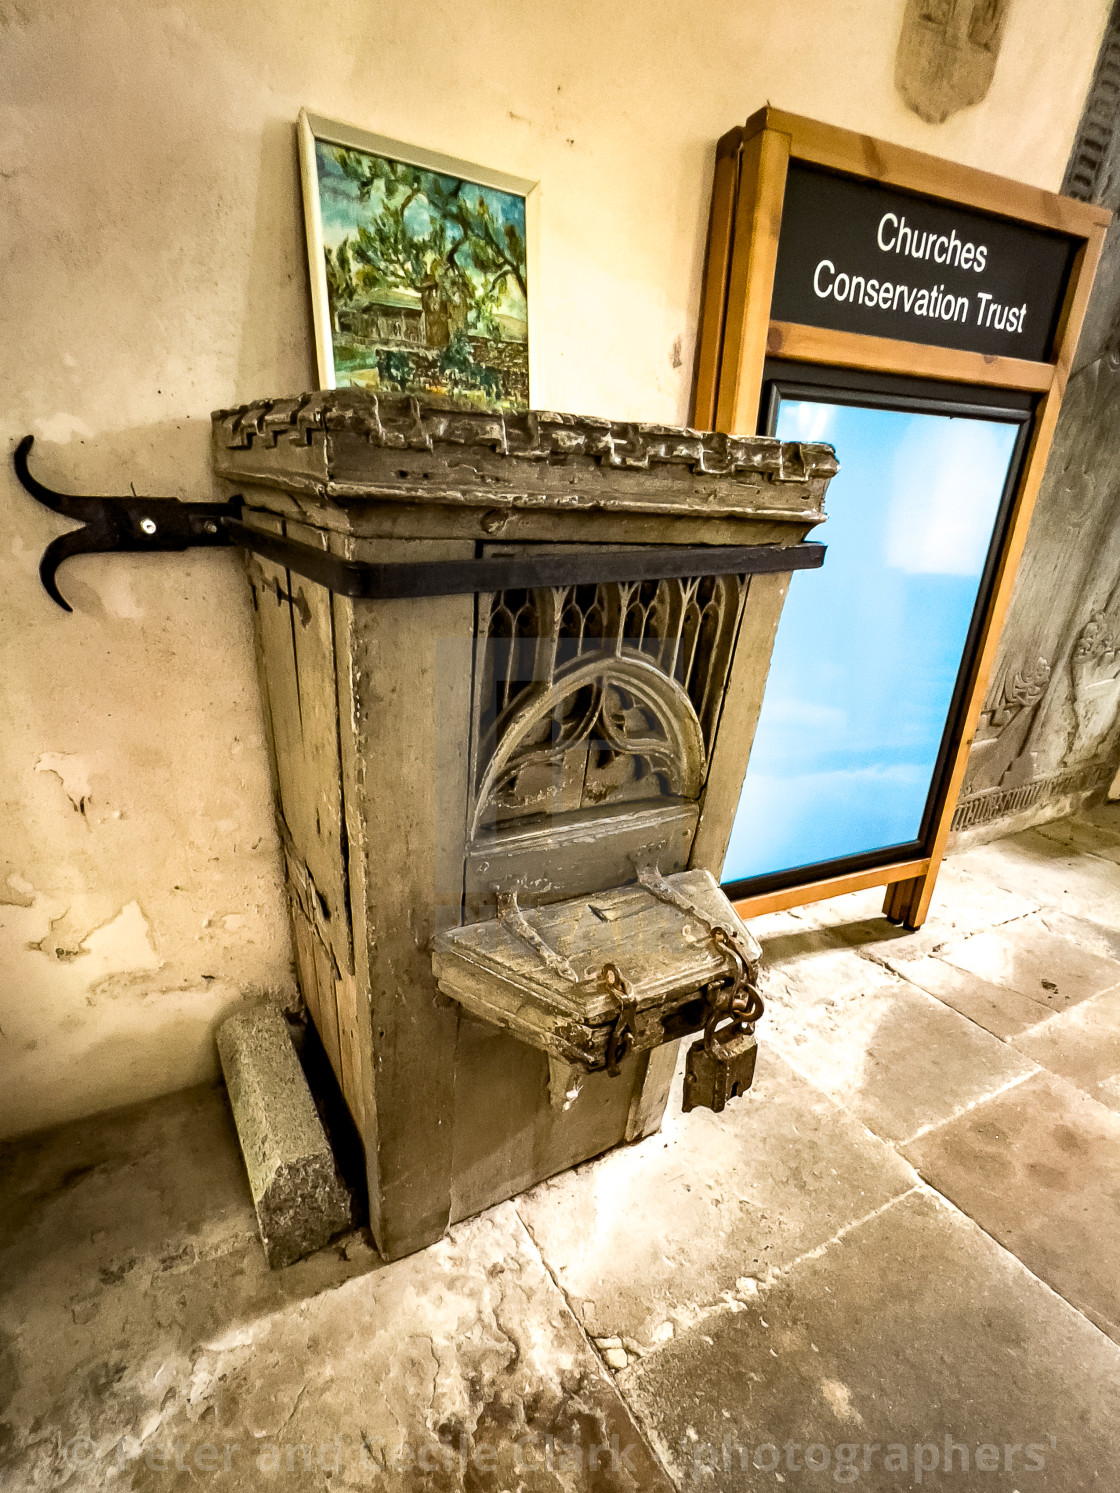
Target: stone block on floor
{"type": "Point", "coordinates": [1094, 937]}
{"type": "Point", "coordinates": [969, 902]}
{"type": "Point", "coordinates": [915, 1335]}
{"type": "Point", "coordinates": [962, 904]}
{"type": "Point", "coordinates": [298, 1194]}
{"type": "Point", "coordinates": [1037, 1168]}
{"type": "Point", "coordinates": [1103, 816]}
{"type": "Point", "coordinates": [1092, 833]}
{"type": "Point", "coordinates": [1033, 865]}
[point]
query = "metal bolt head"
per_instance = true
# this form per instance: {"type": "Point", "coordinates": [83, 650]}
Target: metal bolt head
{"type": "Point", "coordinates": [148, 525]}
{"type": "Point", "coordinates": [210, 527]}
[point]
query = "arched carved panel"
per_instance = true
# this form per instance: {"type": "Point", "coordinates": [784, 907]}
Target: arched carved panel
{"type": "Point", "coordinates": [562, 720]}
{"type": "Point", "coordinates": [606, 728]}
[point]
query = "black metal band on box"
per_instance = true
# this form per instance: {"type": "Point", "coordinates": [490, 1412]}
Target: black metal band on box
{"type": "Point", "coordinates": [363, 581]}
{"type": "Point", "coordinates": [136, 524]}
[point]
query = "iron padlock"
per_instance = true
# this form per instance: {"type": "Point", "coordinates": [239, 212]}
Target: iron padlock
{"type": "Point", "coordinates": [717, 1070]}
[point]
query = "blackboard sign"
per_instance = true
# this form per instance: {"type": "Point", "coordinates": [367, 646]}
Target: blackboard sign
{"type": "Point", "coordinates": [855, 256]}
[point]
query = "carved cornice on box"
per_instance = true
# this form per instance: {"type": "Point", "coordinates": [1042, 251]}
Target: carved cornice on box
{"type": "Point", "coordinates": [404, 423]}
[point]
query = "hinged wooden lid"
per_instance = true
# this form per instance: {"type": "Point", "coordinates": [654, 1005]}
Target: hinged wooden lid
{"type": "Point", "coordinates": [665, 955]}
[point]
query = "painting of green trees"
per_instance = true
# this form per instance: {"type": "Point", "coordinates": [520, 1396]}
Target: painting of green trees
{"type": "Point", "coordinates": [426, 280]}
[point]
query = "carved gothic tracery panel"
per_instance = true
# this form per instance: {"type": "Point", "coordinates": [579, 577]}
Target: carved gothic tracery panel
{"type": "Point", "coordinates": [588, 695]}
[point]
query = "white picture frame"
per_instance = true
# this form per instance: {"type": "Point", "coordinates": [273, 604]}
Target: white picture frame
{"type": "Point", "coordinates": [399, 327]}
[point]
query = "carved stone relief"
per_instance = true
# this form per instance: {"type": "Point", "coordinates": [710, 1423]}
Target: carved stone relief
{"type": "Point", "coordinates": [1095, 668]}
{"type": "Point", "coordinates": [947, 54]}
{"type": "Point", "coordinates": [1023, 689]}
{"type": "Point", "coordinates": [1066, 607]}
{"type": "Point", "coordinates": [1070, 574]}
{"type": "Point", "coordinates": [998, 747]}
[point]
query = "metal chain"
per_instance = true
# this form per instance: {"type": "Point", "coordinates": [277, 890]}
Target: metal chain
{"type": "Point", "coordinates": [739, 1003]}
{"type": "Point", "coordinates": [623, 1032]}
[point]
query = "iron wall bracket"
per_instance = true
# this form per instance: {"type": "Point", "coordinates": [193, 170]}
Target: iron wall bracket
{"type": "Point", "coordinates": [151, 524]}
{"type": "Point", "coordinates": [121, 523]}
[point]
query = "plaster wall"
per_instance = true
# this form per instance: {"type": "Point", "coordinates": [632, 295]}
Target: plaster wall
{"type": "Point", "coordinates": [150, 229]}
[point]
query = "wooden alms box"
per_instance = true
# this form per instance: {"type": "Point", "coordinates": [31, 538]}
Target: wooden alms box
{"type": "Point", "coordinates": [502, 657]}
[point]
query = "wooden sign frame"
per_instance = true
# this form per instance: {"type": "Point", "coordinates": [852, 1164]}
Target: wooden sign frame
{"type": "Point", "coordinates": [737, 334]}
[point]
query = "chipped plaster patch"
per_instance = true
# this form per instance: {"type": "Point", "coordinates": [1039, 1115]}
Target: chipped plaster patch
{"type": "Point", "coordinates": [123, 943]}
{"type": "Point", "coordinates": [72, 772]}
{"type": "Point", "coordinates": [64, 935]}
{"type": "Point", "coordinates": [16, 892]}
{"type": "Point", "coordinates": [62, 428]}
{"type": "Point", "coordinates": [117, 598]}
{"type": "Point", "coordinates": [120, 945]}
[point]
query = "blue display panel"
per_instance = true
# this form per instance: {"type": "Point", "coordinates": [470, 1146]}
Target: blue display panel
{"type": "Point", "coordinates": [869, 648]}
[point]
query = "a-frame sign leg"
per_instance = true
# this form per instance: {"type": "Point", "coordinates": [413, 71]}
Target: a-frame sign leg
{"type": "Point", "coordinates": [905, 902]}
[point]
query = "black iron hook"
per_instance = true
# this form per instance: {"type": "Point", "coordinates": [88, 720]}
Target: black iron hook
{"type": "Point", "coordinates": [121, 523]}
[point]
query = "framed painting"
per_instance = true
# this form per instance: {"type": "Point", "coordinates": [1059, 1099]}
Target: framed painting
{"type": "Point", "coordinates": [422, 269]}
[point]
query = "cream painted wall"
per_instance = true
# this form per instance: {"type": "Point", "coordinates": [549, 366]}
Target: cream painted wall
{"type": "Point", "coordinates": [153, 270]}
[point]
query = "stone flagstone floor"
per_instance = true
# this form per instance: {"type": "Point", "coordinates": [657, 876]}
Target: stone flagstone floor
{"type": "Point", "coordinates": [895, 1265]}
